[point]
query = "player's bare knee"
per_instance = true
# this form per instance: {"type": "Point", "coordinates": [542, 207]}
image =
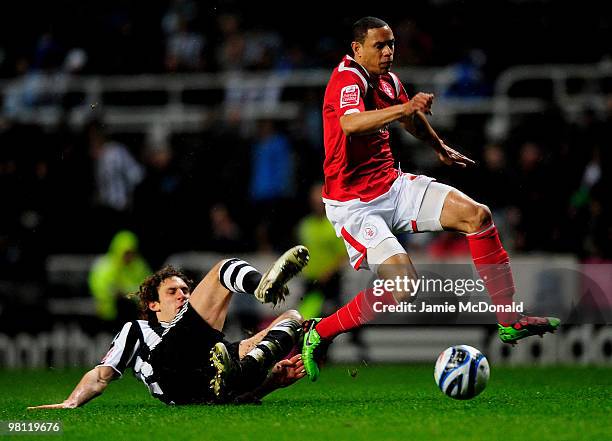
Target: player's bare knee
{"type": "Point", "coordinates": [216, 270]}
{"type": "Point", "coordinates": [399, 274]}
{"type": "Point", "coordinates": [211, 280]}
{"type": "Point", "coordinates": [403, 296]}
{"type": "Point", "coordinates": [484, 216]}
{"type": "Point", "coordinates": [480, 218]}
{"type": "Point", "coordinates": [293, 315]}
{"type": "Point", "coordinates": [394, 266]}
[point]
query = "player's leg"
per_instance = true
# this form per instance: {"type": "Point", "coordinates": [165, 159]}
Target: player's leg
{"type": "Point", "coordinates": [257, 355]}
{"type": "Point", "coordinates": [211, 298]}
{"type": "Point", "coordinates": [458, 212]}
{"type": "Point", "coordinates": [367, 229]}
{"type": "Point", "coordinates": [461, 213]}
{"type": "Point", "coordinates": [212, 295]}
{"type": "Point", "coordinates": [389, 260]}
{"type": "Point", "coordinates": [248, 344]}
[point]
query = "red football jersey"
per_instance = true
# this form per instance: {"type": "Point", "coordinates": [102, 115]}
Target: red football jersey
{"type": "Point", "coordinates": [358, 167]}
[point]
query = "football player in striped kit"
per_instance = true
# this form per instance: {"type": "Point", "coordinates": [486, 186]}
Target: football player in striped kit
{"type": "Point", "coordinates": [170, 348]}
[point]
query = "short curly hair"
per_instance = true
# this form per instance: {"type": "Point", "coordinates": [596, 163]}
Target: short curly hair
{"type": "Point", "coordinates": [363, 25]}
{"type": "Point", "coordinates": [147, 292]}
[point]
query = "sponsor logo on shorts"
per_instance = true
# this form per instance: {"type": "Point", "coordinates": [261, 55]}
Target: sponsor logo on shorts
{"type": "Point", "coordinates": [369, 231]}
{"type": "Point", "coordinates": [386, 87]}
{"type": "Point", "coordinates": [349, 96]}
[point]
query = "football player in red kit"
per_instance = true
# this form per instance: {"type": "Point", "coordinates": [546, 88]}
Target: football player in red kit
{"type": "Point", "coordinates": [369, 201]}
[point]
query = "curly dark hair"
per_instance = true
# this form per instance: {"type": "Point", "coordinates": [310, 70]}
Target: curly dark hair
{"type": "Point", "coordinates": [147, 292]}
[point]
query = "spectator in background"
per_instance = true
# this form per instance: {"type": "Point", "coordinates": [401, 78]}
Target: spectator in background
{"type": "Point", "coordinates": [184, 49]}
{"type": "Point", "coordinates": [161, 187]}
{"type": "Point", "coordinates": [494, 173]}
{"type": "Point", "coordinates": [3, 64]}
{"type": "Point", "coordinates": [414, 44]}
{"type": "Point", "coordinates": [530, 199]}
{"type": "Point", "coordinates": [121, 33]}
{"type": "Point", "coordinates": [272, 169]}
{"type": "Point", "coordinates": [499, 189]}
{"type": "Point", "coordinates": [293, 57]}
{"type": "Point", "coordinates": [468, 79]}
{"type": "Point", "coordinates": [12, 265]}
{"type": "Point", "coordinates": [179, 10]}
{"type": "Point", "coordinates": [116, 175]}
{"type": "Point", "coordinates": [262, 49]}
{"type": "Point", "coordinates": [231, 175]}
{"type": "Point", "coordinates": [116, 275]}
{"type": "Point", "coordinates": [307, 136]}
{"type": "Point", "coordinates": [253, 50]}
{"type": "Point", "coordinates": [272, 183]}
{"type": "Point", "coordinates": [225, 233]}
{"type": "Point", "coordinates": [9, 221]}
{"type": "Point", "coordinates": [231, 51]}
{"type": "Point", "coordinates": [44, 82]}
{"type": "Point", "coordinates": [591, 176]}
{"type": "Point", "coordinates": [28, 195]}
{"type": "Point", "coordinates": [590, 213]}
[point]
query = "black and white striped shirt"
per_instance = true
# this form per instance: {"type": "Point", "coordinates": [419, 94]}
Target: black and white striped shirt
{"type": "Point", "coordinates": [131, 348]}
{"type": "Point", "coordinates": [117, 174]}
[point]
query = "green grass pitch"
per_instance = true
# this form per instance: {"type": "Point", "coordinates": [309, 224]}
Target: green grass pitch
{"type": "Point", "coordinates": [395, 402]}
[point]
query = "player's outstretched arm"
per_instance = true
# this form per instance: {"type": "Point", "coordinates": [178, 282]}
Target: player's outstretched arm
{"type": "Point", "coordinates": [420, 128]}
{"type": "Point", "coordinates": [362, 123]}
{"type": "Point", "coordinates": [92, 384]}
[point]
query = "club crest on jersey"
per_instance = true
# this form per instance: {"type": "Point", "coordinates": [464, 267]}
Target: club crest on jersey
{"type": "Point", "coordinates": [369, 231]}
{"type": "Point", "coordinates": [386, 87]}
{"type": "Point", "coordinates": [349, 96]}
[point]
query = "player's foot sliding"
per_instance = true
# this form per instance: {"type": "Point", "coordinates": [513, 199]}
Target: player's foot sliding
{"type": "Point", "coordinates": [239, 276]}
{"type": "Point", "coordinates": [224, 366]}
{"type": "Point", "coordinates": [313, 349]}
{"type": "Point", "coordinates": [526, 326]}
{"type": "Point", "coordinates": [272, 287]}
{"type": "Point", "coordinates": [233, 378]}
{"type": "Point", "coordinates": [319, 333]}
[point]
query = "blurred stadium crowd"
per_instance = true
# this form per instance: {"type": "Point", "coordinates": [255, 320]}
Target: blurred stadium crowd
{"type": "Point", "coordinates": [68, 189]}
{"type": "Point", "coordinates": [128, 37]}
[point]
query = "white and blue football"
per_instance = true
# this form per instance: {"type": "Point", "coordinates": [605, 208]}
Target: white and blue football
{"type": "Point", "coordinates": [461, 372]}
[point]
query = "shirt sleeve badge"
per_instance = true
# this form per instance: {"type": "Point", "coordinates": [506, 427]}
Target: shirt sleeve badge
{"type": "Point", "coordinates": [349, 96]}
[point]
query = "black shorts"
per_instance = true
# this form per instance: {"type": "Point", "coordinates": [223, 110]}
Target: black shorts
{"type": "Point", "coordinates": [181, 360]}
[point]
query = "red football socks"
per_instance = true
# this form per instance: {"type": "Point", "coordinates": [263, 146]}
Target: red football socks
{"type": "Point", "coordinates": [354, 314]}
{"type": "Point", "coordinates": [493, 266]}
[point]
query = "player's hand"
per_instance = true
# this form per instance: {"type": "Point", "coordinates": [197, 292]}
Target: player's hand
{"type": "Point", "coordinates": [421, 102]}
{"type": "Point", "coordinates": [287, 372]}
{"type": "Point", "coordinates": [451, 156]}
{"type": "Point", "coordinates": [64, 405]}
